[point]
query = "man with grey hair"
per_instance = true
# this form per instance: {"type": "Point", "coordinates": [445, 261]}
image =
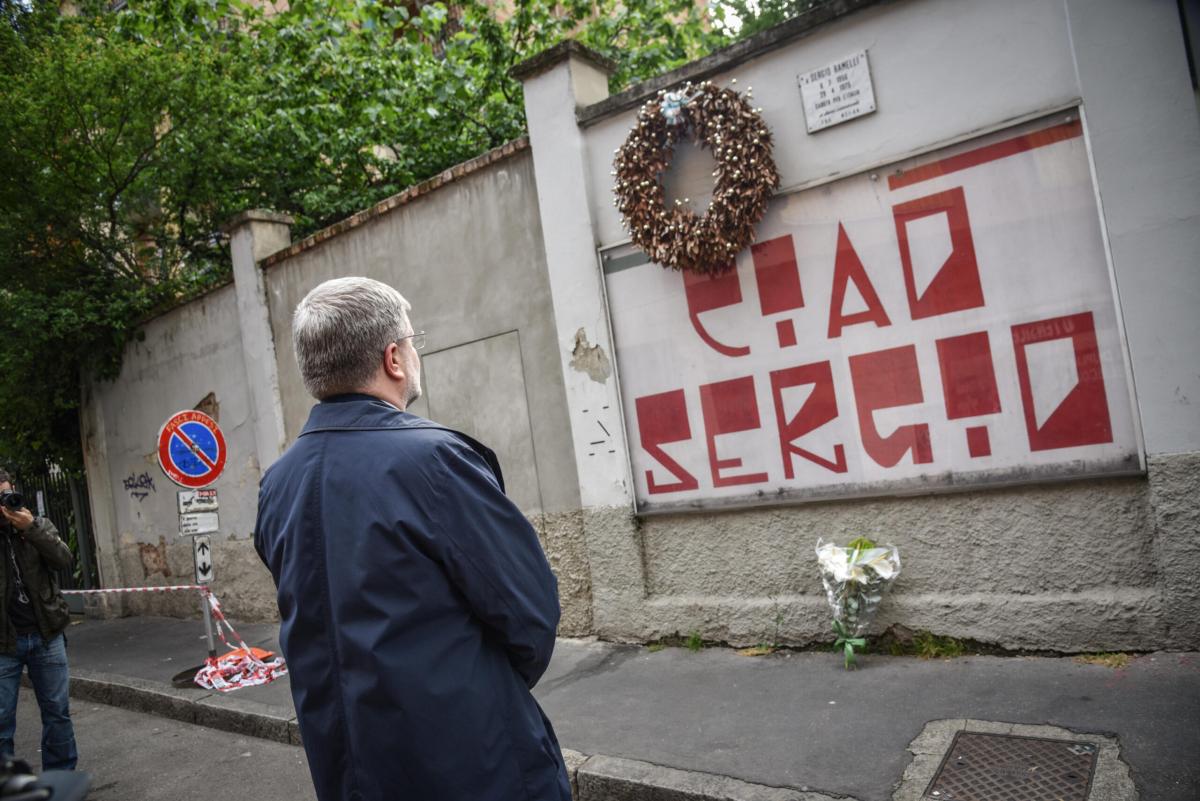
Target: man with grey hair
{"type": "Point", "coordinates": [417, 608]}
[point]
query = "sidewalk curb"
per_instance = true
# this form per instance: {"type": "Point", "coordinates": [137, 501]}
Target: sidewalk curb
{"type": "Point", "coordinates": [593, 777]}
{"type": "Point", "coordinates": [202, 708]}
{"type": "Point", "coordinates": [604, 778]}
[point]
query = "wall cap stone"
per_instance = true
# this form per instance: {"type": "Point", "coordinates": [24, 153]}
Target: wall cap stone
{"type": "Point", "coordinates": [722, 60]}
{"type": "Point", "coordinates": [552, 56]}
{"type": "Point", "coordinates": [358, 219]}
{"type": "Point", "coordinates": [255, 215]}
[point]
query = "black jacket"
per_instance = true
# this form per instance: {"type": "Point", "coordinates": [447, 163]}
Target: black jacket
{"type": "Point", "coordinates": [417, 610]}
{"type": "Point", "coordinates": [39, 552]}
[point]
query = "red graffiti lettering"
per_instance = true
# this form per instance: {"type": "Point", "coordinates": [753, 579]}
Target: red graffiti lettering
{"type": "Point", "coordinates": [886, 379]}
{"type": "Point", "coordinates": [663, 419]}
{"type": "Point", "coordinates": [729, 407]}
{"type": "Point", "coordinates": [848, 267]}
{"type": "Point", "coordinates": [818, 409]}
{"type": "Point", "coordinates": [705, 294]}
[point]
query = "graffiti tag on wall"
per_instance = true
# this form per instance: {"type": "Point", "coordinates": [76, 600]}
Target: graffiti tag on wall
{"type": "Point", "coordinates": [139, 486]}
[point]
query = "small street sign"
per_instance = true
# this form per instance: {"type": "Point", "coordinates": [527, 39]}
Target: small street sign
{"type": "Point", "coordinates": [191, 449]}
{"type": "Point", "coordinates": [198, 523]}
{"type": "Point", "coordinates": [202, 559]}
{"type": "Point", "coordinates": [202, 500]}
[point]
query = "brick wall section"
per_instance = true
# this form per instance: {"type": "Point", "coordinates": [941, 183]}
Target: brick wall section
{"type": "Point", "coordinates": [451, 175]}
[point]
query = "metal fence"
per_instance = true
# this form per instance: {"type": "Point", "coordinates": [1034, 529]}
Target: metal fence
{"type": "Point", "coordinates": [62, 497]}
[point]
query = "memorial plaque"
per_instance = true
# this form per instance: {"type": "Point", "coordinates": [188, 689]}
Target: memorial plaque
{"type": "Point", "coordinates": [837, 92]}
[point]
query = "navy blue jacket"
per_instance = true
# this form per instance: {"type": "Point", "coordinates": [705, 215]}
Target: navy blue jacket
{"type": "Point", "coordinates": [417, 611]}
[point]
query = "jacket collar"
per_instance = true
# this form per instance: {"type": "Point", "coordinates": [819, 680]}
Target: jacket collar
{"type": "Point", "coordinates": [359, 411]}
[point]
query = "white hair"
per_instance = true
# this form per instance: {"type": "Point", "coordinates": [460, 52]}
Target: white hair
{"type": "Point", "coordinates": [340, 331]}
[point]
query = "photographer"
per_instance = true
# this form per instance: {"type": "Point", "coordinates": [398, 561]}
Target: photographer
{"type": "Point", "coordinates": [33, 614]}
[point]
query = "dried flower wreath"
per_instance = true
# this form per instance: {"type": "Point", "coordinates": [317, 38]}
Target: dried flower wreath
{"type": "Point", "coordinates": [723, 121]}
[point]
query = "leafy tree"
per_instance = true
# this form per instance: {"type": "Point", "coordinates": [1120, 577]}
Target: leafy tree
{"type": "Point", "coordinates": [741, 19]}
{"type": "Point", "coordinates": [127, 137]}
{"type": "Point", "coordinates": [107, 205]}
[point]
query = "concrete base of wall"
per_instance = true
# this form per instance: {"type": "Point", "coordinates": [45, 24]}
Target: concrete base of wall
{"type": "Point", "coordinates": [1090, 565]}
{"type": "Point", "coordinates": [1085, 566]}
{"type": "Point", "coordinates": [242, 585]}
{"type": "Point", "coordinates": [563, 541]}
{"type": "Point", "coordinates": [246, 592]}
{"type": "Point", "coordinates": [1175, 501]}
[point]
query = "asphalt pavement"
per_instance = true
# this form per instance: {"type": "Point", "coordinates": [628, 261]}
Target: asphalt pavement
{"type": "Point", "coordinates": [133, 756]}
{"type": "Point", "coordinates": [706, 722]}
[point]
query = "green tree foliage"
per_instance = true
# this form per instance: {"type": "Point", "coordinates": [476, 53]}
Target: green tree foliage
{"type": "Point", "coordinates": [127, 137]}
{"type": "Point", "coordinates": [107, 194]}
{"type": "Point", "coordinates": [741, 19]}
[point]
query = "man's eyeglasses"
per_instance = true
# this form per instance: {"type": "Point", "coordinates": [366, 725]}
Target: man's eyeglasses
{"type": "Point", "coordinates": [418, 340]}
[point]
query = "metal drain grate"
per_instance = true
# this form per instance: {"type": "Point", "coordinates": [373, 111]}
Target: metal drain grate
{"type": "Point", "coordinates": [1005, 767]}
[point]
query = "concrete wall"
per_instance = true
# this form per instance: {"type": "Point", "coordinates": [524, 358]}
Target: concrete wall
{"type": "Point", "coordinates": [1101, 564]}
{"type": "Point", "coordinates": [469, 258]}
{"type": "Point", "coordinates": [190, 357]}
{"type": "Point", "coordinates": [466, 249]}
{"type": "Point", "coordinates": [499, 259]}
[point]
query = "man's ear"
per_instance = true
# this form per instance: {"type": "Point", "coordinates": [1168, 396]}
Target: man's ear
{"type": "Point", "coordinates": [392, 365]}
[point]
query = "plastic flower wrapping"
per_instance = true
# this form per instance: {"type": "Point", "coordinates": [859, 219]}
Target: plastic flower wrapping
{"type": "Point", "coordinates": [856, 577]}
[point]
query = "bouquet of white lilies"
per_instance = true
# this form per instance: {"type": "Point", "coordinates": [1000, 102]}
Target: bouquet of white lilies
{"type": "Point", "coordinates": [855, 578]}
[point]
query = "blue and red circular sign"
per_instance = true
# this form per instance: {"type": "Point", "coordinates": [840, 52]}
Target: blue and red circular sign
{"type": "Point", "coordinates": [191, 449]}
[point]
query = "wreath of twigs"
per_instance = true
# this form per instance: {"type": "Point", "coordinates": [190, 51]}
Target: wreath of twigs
{"type": "Point", "coordinates": [723, 121]}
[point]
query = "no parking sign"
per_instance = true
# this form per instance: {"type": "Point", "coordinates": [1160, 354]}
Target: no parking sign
{"type": "Point", "coordinates": [191, 449]}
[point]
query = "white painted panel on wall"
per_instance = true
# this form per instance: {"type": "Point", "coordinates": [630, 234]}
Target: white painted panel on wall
{"type": "Point", "coordinates": [948, 321]}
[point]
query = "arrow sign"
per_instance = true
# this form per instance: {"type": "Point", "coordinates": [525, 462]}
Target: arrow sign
{"type": "Point", "coordinates": [201, 558]}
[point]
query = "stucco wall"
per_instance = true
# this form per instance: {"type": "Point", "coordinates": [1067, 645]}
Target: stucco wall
{"type": "Point", "coordinates": [1065, 565]}
{"type": "Point", "coordinates": [189, 357]}
{"type": "Point", "coordinates": [467, 253]}
{"type": "Point", "coordinates": [469, 259]}
{"type": "Point", "coordinates": [509, 290]}
{"type": "Point", "coordinates": [1069, 566]}
{"type": "Point", "coordinates": [946, 70]}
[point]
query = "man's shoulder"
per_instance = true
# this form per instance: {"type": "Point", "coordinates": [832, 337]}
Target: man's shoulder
{"type": "Point", "coordinates": [400, 437]}
{"type": "Point", "coordinates": [418, 436]}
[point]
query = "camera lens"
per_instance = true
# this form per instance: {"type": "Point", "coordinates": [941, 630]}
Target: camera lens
{"type": "Point", "coordinates": [12, 500]}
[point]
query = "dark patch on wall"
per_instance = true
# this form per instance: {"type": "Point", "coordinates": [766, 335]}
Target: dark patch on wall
{"type": "Point", "coordinates": [154, 558]}
{"type": "Point", "coordinates": [208, 404]}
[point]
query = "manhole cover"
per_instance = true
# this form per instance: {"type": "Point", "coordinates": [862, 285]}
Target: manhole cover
{"type": "Point", "coordinates": [1005, 767]}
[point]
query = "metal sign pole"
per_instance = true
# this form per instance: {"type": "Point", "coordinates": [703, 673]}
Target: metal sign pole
{"type": "Point", "coordinates": [208, 627]}
{"type": "Point", "coordinates": [192, 453]}
{"type": "Point", "coordinates": [202, 559]}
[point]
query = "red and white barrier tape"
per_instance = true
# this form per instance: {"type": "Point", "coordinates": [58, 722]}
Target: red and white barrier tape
{"type": "Point", "coordinates": [241, 667]}
{"type": "Point", "coordinates": [163, 588]}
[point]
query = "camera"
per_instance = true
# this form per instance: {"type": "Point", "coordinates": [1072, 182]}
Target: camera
{"type": "Point", "coordinates": [11, 499]}
{"type": "Point", "coordinates": [18, 782]}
